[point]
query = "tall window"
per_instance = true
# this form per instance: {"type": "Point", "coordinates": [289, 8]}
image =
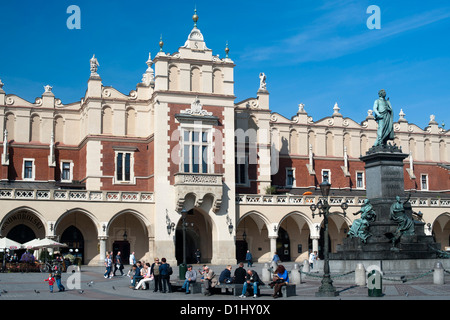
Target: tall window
{"type": "Point", "coordinates": [290, 177]}
{"type": "Point", "coordinates": [424, 181]}
{"type": "Point", "coordinates": [66, 171]}
{"type": "Point", "coordinates": [360, 180]}
{"type": "Point", "coordinates": [28, 169]}
{"type": "Point", "coordinates": [241, 170]}
{"type": "Point", "coordinates": [196, 151]}
{"type": "Point", "coordinates": [326, 175]}
{"type": "Point", "coordinates": [123, 167]}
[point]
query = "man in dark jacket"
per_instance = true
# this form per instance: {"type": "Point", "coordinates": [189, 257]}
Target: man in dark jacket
{"type": "Point", "coordinates": [239, 274]}
{"type": "Point", "coordinates": [251, 279]}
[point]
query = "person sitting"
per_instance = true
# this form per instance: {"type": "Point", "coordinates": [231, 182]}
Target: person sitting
{"type": "Point", "coordinates": [190, 277]}
{"type": "Point", "coordinates": [209, 281]}
{"type": "Point", "coordinates": [147, 276]}
{"type": "Point", "coordinates": [280, 279]}
{"type": "Point", "coordinates": [239, 274]}
{"type": "Point", "coordinates": [251, 279]}
{"type": "Point", "coordinates": [136, 276]}
{"type": "Point", "coordinates": [225, 275]}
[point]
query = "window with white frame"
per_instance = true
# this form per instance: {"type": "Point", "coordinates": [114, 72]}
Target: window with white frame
{"type": "Point", "coordinates": [196, 150]}
{"type": "Point", "coordinates": [359, 180]}
{"type": "Point", "coordinates": [424, 182]}
{"type": "Point", "coordinates": [326, 175]}
{"type": "Point", "coordinates": [66, 171]}
{"type": "Point", "coordinates": [28, 172]}
{"type": "Point", "coordinates": [124, 172]}
{"type": "Point", "coordinates": [290, 177]}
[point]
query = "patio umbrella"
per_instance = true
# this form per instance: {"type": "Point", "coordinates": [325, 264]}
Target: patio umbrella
{"type": "Point", "coordinates": [43, 243]}
{"type": "Point", "coordinates": [6, 243]}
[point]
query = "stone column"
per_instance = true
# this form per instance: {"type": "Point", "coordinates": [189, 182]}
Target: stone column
{"type": "Point", "coordinates": [273, 246]}
{"type": "Point", "coordinates": [315, 243]}
{"type": "Point", "coordinates": [102, 241]}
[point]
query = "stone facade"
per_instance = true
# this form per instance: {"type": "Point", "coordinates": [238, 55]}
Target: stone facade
{"type": "Point", "coordinates": [119, 168]}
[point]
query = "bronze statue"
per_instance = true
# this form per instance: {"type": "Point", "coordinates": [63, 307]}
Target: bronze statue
{"type": "Point", "coordinates": [384, 115]}
{"type": "Point", "coordinates": [359, 228]}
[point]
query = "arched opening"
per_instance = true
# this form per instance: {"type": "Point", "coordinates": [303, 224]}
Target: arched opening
{"type": "Point", "coordinates": [74, 239]}
{"type": "Point", "coordinates": [283, 245]}
{"type": "Point", "coordinates": [252, 234]}
{"type": "Point", "coordinates": [21, 233]}
{"type": "Point", "coordinates": [198, 236]}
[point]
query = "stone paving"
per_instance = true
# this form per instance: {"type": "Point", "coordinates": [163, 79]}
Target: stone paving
{"type": "Point", "coordinates": [92, 285]}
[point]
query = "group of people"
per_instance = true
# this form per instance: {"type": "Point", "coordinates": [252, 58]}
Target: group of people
{"type": "Point", "coordinates": [249, 278]}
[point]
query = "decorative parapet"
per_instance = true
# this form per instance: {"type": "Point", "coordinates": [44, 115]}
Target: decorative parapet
{"type": "Point", "coordinates": [76, 195]}
{"type": "Point", "coordinates": [252, 199]}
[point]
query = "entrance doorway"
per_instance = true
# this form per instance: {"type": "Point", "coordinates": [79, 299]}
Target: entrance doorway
{"type": "Point", "coordinates": [241, 250]}
{"type": "Point", "coordinates": [283, 245]}
{"type": "Point", "coordinates": [124, 248]}
{"type": "Point", "coordinates": [21, 233]}
{"type": "Point", "coordinates": [74, 239]}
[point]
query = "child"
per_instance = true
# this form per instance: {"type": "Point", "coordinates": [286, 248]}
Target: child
{"type": "Point", "coordinates": [51, 281]}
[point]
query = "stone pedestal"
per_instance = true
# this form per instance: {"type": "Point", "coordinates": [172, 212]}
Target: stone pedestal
{"type": "Point", "coordinates": [385, 181]}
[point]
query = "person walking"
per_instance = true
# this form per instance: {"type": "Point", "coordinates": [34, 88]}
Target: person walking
{"type": "Point", "coordinates": [108, 264]}
{"type": "Point", "coordinates": [198, 255]}
{"type": "Point", "coordinates": [51, 282]}
{"type": "Point", "coordinates": [58, 280]}
{"type": "Point", "coordinates": [249, 259]}
{"type": "Point", "coordinates": [118, 265]}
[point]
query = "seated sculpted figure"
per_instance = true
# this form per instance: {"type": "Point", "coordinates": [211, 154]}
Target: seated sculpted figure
{"type": "Point", "coordinates": [359, 228]}
{"type": "Point", "coordinates": [405, 224]}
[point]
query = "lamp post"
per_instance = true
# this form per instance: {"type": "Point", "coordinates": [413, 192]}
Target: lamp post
{"type": "Point", "coordinates": [326, 289]}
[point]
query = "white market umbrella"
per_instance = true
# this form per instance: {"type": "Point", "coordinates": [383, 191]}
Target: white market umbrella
{"type": "Point", "coordinates": [6, 243]}
{"type": "Point", "coordinates": [43, 243]}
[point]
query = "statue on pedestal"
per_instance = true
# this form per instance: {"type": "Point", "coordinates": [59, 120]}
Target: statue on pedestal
{"type": "Point", "coordinates": [262, 81]}
{"type": "Point", "coordinates": [359, 228]}
{"type": "Point", "coordinates": [405, 224]}
{"type": "Point", "coordinates": [384, 115]}
{"type": "Point", "coordinates": [94, 65]}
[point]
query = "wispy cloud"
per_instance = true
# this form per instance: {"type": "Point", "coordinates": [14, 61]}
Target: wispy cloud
{"type": "Point", "coordinates": [338, 32]}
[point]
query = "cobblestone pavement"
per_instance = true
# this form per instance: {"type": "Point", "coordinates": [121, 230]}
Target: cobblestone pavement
{"type": "Point", "coordinates": [90, 284]}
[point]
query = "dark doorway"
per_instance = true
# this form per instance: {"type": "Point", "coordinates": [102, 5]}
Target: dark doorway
{"type": "Point", "coordinates": [74, 239]}
{"type": "Point", "coordinates": [191, 246]}
{"type": "Point", "coordinates": [124, 248]}
{"type": "Point", "coordinates": [241, 250]}
{"type": "Point", "coordinates": [283, 245]}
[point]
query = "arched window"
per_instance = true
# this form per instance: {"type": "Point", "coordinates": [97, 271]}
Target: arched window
{"type": "Point", "coordinates": [107, 120]}
{"type": "Point", "coordinates": [130, 126]}
{"type": "Point", "coordinates": [217, 81]}
{"type": "Point", "coordinates": [195, 79]}
{"type": "Point", "coordinates": [59, 129]}
{"type": "Point", "coordinates": [35, 128]}
{"type": "Point", "coordinates": [427, 149]}
{"type": "Point", "coordinates": [293, 142]}
{"type": "Point", "coordinates": [173, 78]}
{"type": "Point", "coordinates": [442, 151]}
{"type": "Point", "coordinates": [10, 119]}
{"type": "Point", "coordinates": [329, 144]}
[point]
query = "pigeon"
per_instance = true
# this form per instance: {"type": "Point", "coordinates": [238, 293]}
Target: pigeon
{"type": "Point", "coordinates": [114, 288]}
{"type": "Point", "coordinates": [4, 291]}
{"type": "Point", "coordinates": [90, 283]}
{"type": "Point", "coordinates": [406, 294]}
{"type": "Point", "coordinates": [36, 291]}
{"type": "Point", "coordinates": [81, 291]}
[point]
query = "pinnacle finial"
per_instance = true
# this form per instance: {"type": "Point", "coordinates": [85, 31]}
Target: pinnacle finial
{"type": "Point", "coordinates": [227, 50]}
{"type": "Point", "coordinates": [161, 44]}
{"type": "Point", "coordinates": [195, 18]}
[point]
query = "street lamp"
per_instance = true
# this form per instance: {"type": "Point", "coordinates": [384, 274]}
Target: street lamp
{"type": "Point", "coordinates": [326, 289]}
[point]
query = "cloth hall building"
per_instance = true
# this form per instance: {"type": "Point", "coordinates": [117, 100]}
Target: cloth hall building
{"type": "Point", "coordinates": [115, 171]}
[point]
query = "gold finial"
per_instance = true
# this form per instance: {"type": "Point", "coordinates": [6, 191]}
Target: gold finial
{"type": "Point", "coordinates": [195, 18]}
{"type": "Point", "coordinates": [227, 50]}
{"type": "Point", "coordinates": [161, 44]}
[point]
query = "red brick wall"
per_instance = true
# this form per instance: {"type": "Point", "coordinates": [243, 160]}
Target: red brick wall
{"type": "Point", "coordinates": [218, 147]}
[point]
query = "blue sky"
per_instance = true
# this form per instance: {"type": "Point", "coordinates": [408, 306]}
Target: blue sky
{"type": "Point", "coordinates": [314, 52]}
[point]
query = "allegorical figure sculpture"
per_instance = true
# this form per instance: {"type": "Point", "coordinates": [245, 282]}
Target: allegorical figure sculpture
{"type": "Point", "coordinates": [262, 81]}
{"type": "Point", "coordinates": [94, 65]}
{"type": "Point", "coordinates": [405, 224]}
{"type": "Point", "coordinates": [359, 228]}
{"type": "Point", "coordinates": [384, 116]}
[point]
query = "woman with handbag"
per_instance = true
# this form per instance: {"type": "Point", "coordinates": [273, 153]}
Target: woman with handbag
{"type": "Point", "coordinates": [280, 279]}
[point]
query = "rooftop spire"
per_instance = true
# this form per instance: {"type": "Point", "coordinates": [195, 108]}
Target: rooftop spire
{"type": "Point", "coordinates": [195, 18]}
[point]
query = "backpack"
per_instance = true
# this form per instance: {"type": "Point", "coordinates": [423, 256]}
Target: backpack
{"type": "Point", "coordinates": [169, 269]}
